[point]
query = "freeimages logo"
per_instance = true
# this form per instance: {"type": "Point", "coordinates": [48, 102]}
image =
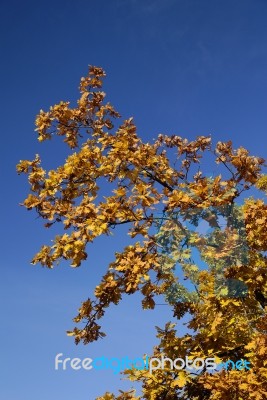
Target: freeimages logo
{"type": "Point", "coordinates": [151, 364]}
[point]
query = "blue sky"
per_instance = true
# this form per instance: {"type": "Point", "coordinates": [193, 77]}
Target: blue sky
{"type": "Point", "coordinates": [184, 67]}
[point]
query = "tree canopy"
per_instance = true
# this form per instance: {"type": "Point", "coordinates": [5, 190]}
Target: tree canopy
{"type": "Point", "coordinates": [195, 238]}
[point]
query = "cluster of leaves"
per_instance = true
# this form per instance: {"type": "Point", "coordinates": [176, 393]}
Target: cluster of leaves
{"type": "Point", "coordinates": [144, 180]}
{"type": "Point", "coordinates": [222, 246]}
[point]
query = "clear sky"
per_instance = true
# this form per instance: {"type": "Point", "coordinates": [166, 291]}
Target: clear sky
{"type": "Point", "coordinates": [191, 67]}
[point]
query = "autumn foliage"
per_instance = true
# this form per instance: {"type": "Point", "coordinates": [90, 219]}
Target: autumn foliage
{"type": "Point", "coordinates": [162, 192]}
